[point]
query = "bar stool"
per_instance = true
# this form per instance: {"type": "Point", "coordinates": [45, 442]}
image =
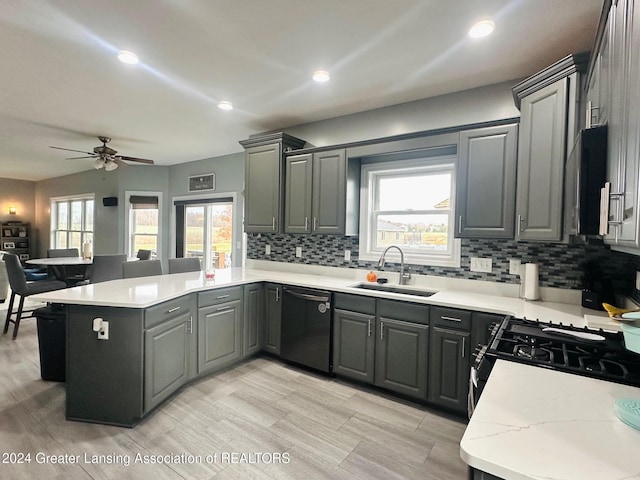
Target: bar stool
{"type": "Point", "coordinates": [20, 286]}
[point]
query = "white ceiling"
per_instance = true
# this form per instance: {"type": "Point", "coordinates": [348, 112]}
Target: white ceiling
{"type": "Point", "coordinates": [62, 85]}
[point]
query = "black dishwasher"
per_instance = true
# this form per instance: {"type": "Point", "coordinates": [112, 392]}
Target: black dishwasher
{"type": "Point", "coordinates": [306, 327]}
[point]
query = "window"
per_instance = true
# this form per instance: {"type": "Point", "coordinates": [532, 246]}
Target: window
{"type": "Point", "coordinates": [71, 221]}
{"type": "Point", "coordinates": [144, 224]}
{"type": "Point", "coordinates": [409, 203]}
{"type": "Point", "coordinates": [204, 229]}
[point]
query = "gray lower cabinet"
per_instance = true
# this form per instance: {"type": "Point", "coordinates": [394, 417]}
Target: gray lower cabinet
{"type": "Point", "coordinates": [486, 183]}
{"type": "Point", "coordinates": [449, 375]}
{"type": "Point", "coordinates": [166, 358]}
{"type": "Point", "coordinates": [219, 329]}
{"type": "Point", "coordinates": [273, 318]}
{"type": "Point", "coordinates": [254, 312]}
{"type": "Point", "coordinates": [402, 332]}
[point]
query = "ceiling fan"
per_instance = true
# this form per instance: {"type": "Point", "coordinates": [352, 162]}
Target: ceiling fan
{"type": "Point", "coordinates": [106, 157]}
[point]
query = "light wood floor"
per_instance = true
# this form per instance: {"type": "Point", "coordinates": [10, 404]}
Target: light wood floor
{"type": "Point", "coordinates": [327, 428]}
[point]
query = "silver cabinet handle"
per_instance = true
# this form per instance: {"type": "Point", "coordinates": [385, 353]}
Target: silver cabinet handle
{"type": "Point", "coordinates": [174, 309]}
{"type": "Point", "coordinates": [306, 223]}
{"type": "Point", "coordinates": [315, 224]}
{"type": "Point", "coordinates": [277, 294]}
{"type": "Point", "coordinates": [521, 220]}
{"type": "Point", "coordinates": [190, 326]}
{"type": "Point", "coordinates": [222, 296]}
{"type": "Point", "coordinates": [460, 224]}
{"type": "Point", "coordinates": [463, 345]}
{"type": "Point", "coordinates": [222, 309]}
{"type": "Point", "coordinates": [369, 328]}
{"type": "Point", "coordinates": [273, 223]}
{"type": "Point", "coordinates": [452, 319]}
{"type": "Point", "coordinates": [381, 330]}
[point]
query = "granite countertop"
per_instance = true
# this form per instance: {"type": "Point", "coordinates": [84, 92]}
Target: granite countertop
{"type": "Point", "coordinates": [147, 291]}
{"type": "Point", "coordinates": [535, 423]}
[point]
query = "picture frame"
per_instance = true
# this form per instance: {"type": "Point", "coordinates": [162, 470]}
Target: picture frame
{"type": "Point", "coordinates": [199, 183]}
{"type": "Point", "coordinates": [24, 256]}
{"type": "Point", "coordinates": [8, 245]}
{"type": "Point", "coordinates": [7, 232]}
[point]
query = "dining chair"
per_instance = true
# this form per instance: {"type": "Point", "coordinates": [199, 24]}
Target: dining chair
{"type": "Point", "coordinates": [22, 288]}
{"type": "Point", "coordinates": [144, 254]}
{"type": "Point", "coordinates": [181, 265]}
{"type": "Point", "coordinates": [144, 268]}
{"type": "Point", "coordinates": [62, 252]}
{"type": "Point", "coordinates": [106, 267]}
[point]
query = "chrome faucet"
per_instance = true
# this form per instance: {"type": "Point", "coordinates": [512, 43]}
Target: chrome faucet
{"type": "Point", "coordinates": [403, 276]}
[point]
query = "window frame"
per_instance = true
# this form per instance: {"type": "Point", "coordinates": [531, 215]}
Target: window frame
{"type": "Point", "coordinates": [54, 203]}
{"type": "Point", "coordinates": [371, 173]}
{"type": "Point", "coordinates": [129, 230]}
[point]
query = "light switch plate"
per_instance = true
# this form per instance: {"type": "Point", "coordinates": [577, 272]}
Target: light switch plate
{"type": "Point", "coordinates": [299, 252]}
{"type": "Point", "coordinates": [477, 264]}
{"type": "Point", "coordinates": [514, 266]}
{"type": "Point", "coordinates": [347, 255]}
{"type": "Point", "coordinates": [267, 250]}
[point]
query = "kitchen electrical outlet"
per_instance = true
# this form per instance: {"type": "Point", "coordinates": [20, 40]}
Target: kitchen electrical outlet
{"type": "Point", "coordinates": [514, 266]}
{"type": "Point", "coordinates": [103, 333]}
{"type": "Point", "coordinates": [347, 255]}
{"type": "Point", "coordinates": [267, 250]}
{"type": "Point", "coordinates": [481, 264]}
{"type": "Point", "coordinates": [299, 252]}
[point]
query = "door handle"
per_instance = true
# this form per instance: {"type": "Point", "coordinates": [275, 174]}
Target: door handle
{"type": "Point", "coordinates": [315, 224]}
{"type": "Point", "coordinates": [306, 223]}
{"type": "Point", "coordinates": [460, 224]}
{"type": "Point", "coordinates": [369, 328]}
{"type": "Point", "coordinates": [451, 319]}
{"type": "Point", "coordinates": [277, 294]}
{"type": "Point", "coordinates": [463, 345]}
{"type": "Point", "coordinates": [190, 325]}
{"type": "Point", "coordinates": [381, 330]}
{"type": "Point", "coordinates": [174, 309]}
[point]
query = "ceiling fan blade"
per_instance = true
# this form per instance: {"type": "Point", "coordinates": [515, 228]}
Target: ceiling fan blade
{"type": "Point", "coordinates": [70, 150]}
{"type": "Point", "coordinates": [76, 158]}
{"type": "Point", "coordinates": [119, 162]}
{"type": "Point", "coordinates": [134, 159]}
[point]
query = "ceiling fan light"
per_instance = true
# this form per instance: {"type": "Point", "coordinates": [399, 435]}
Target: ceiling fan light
{"type": "Point", "coordinates": [225, 105]}
{"type": "Point", "coordinates": [110, 165]}
{"type": "Point", "coordinates": [130, 58]}
{"type": "Point", "coordinates": [98, 164]}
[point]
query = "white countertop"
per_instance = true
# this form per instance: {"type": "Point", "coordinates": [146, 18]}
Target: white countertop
{"type": "Point", "coordinates": [535, 423]}
{"type": "Point", "coordinates": [147, 291]}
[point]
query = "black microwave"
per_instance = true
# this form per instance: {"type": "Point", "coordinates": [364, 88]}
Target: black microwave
{"type": "Point", "coordinates": [585, 174]}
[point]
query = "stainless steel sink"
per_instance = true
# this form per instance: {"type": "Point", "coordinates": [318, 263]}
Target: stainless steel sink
{"type": "Point", "coordinates": [394, 289]}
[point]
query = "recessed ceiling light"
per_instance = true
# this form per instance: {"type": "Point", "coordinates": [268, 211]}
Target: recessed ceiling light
{"type": "Point", "coordinates": [321, 76]}
{"type": "Point", "coordinates": [482, 29]}
{"type": "Point", "coordinates": [224, 105]}
{"type": "Point", "coordinates": [125, 56]}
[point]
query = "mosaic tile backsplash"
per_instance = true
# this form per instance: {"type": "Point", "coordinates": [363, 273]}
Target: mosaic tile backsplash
{"type": "Point", "coordinates": [560, 265]}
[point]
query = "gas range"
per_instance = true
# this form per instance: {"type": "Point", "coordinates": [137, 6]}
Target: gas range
{"type": "Point", "coordinates": [592, 353]}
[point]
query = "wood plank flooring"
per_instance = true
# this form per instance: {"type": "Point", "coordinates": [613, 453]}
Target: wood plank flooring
{"type": "Point", "coordinates": [328, 429]}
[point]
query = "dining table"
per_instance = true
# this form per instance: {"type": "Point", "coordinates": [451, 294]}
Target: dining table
{"type": "Point", "coordinates": [71, 270]}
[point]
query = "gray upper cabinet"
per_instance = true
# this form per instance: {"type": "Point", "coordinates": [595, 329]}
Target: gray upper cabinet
{"type": "Point", "coordinates": [263, 188]}
{"type": "Point", "coordinates": [316, 193]}
{"type": "Point", "coordinates": [549, 108]}
{"type": "Point", "coordinates": [486, 183]}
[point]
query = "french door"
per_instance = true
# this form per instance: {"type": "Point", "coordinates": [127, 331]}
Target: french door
{"type": "Point", "coordinates": [208, 233]}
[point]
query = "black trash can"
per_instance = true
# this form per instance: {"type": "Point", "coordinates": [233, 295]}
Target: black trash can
{"type": "Point", "coordinates": [52, 341]}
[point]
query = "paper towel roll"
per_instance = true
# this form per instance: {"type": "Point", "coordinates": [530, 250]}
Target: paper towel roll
{"type": "Point", "coordinates": [531, 288]}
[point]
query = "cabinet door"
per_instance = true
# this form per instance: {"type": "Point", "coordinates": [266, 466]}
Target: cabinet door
{"type": "Point", "coordinates": [166, 359]}
{"type": "Point", "coordinates": [329, 192]}
{"type": "Point", "coordinates": [297, 210]}
{"type": "Point", "coordinates": [253, 319]}
{"type": "Point", "coordinates": [449, 368]}
{"type": "Point", "coordinates": [353, 345]}
{"type": "Point", "coordinates": [486, 184]}
{"type": "Point", "coordinates": [273, 318]}
{"type": "Point", "coordinates": [401, 357]}
{"type": "Point", "coordinates": [541, 155]}
{"type": "Point", "coordinates": [219, 335]}
{"type": "Point", "coordinates": [262, 197]}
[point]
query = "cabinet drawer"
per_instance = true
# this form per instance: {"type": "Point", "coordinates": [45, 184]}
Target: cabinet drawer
{"type": "Point", "coordinates": [452, 318]}
{"type": "Point", "coordinates": [354, 303]}
{"type": "Point", "coordinates": [219, 295]}
{"type": "Point", "coordinates": [409, 312]}
{"type": "Point", "coordinates": [166, 311]}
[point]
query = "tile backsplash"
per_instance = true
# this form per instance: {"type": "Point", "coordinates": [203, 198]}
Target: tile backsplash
{"type": "Point", "coordinates": [560, 265]}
